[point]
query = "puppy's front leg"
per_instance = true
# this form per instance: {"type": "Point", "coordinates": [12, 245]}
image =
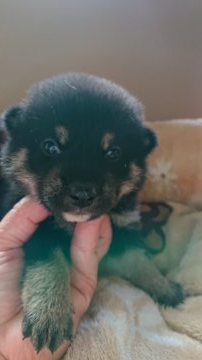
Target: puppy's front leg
{"type": "Point", "coordinates": [46, 297]}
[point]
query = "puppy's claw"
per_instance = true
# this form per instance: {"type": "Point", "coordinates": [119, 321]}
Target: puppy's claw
{"type": "Point", "coordinates": [69, 333]}
{"type": "Point", "coordinates": [26, 328]}
{"type": "Point", "coordinates": [53, 343]}
{"type": "Point", "coordinates": [48, 331]}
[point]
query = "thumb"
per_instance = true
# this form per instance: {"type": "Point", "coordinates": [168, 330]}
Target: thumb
{"type": "Point", "coordinates": [91, 241]}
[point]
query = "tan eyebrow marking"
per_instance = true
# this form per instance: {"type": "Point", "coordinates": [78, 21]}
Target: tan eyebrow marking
{"type": "Point", "coordinates": [62, 134]}
{"type": "Point", "coordinates": [106, 140]}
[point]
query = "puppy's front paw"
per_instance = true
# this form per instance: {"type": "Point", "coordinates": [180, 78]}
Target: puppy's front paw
{"type": "Point", "coordinates": [173, 295]}
{"type": "Point", "coordinates": [47, 323]}
{"type": "Point", "coordinates": [46, 302]}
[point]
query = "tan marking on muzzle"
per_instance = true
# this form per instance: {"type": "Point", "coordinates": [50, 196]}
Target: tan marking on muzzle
{"type": "Point", "coordinates": [62, 134]}
{"type": "Point", "coordinates": [52, 183]}
{"type": "Point", "coordinates": [132, 182]}
{"type": "Point", "coordinates": [27, 179]}
{"type": "Point", "coordinates": [107, 140]}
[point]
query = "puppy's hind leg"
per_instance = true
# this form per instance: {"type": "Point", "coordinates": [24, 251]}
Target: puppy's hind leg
{"type": "Point", "coordinates": [136, 267]}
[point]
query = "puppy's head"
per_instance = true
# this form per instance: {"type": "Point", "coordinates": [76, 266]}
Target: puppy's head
{"type": "Point", "coordinates": [78, 144]}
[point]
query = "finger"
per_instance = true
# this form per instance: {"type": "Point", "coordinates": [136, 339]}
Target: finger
{"type": "Point", "coordinates": [91, 236]}
{"type": "Point", "coordinates": [91, 241]}
{"type": "Point", "coordinates": [105, 237]}
{"type": "Point", "coordinates": [83, 285]}
{"type": "Point", "coordinates": [20, 223]}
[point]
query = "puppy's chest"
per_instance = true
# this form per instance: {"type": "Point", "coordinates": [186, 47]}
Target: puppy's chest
{"type": "Point", "coordinates": [125, 239]}
{"type": "Point", "coordinates": [49, 237]}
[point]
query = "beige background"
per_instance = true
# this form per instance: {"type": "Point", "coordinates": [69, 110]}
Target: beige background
{"type": "Point", "coordinates": [153, 47]}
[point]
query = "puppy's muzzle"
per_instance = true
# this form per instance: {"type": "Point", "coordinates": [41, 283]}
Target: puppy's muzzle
{"type": "Point", "coordinates": [82, 195]}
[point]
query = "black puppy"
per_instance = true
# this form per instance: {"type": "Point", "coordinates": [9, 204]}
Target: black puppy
{"type": "Point", "coordinates": [78, 144]}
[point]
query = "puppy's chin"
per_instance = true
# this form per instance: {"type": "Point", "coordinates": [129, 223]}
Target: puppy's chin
{"type": "Point", "coordinates": [69, 217]}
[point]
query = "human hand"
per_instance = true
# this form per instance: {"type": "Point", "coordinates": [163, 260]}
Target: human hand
{"type": "Point", "coordinates": [90, 243]}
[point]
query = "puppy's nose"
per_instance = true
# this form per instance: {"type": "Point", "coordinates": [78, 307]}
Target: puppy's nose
{"type": "Point", "coordinates": [82, 195]}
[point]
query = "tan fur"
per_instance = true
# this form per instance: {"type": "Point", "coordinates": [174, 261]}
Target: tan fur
{"type": "Point", "coordinates": [144, 207]}
{"type": "Point", "coordinates": [52, 183]}
{"type": "Point", "coordinates": [18, 163]}
{"type": "Point", "coordinates": [62, 134]}
{"type": "Point", "coordinates": [130, 184]}
{"type": "Point", "coordinates": [107, 140]}
{"type": "Point", "coordinates": [153, 241]}
{"type": "Point", "coordinates": [135, 172]}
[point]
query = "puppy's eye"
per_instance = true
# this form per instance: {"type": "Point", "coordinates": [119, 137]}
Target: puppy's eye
{"type": "Point", "coordinates": [114, 153]}
{"type": "Point", "coordinates": [50, 148]}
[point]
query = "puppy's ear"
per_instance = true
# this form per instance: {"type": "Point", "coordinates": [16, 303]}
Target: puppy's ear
{"type": "Point", "coordinates": [11, 118]}
{"type": "Point", "coordinates": [150, 140]}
